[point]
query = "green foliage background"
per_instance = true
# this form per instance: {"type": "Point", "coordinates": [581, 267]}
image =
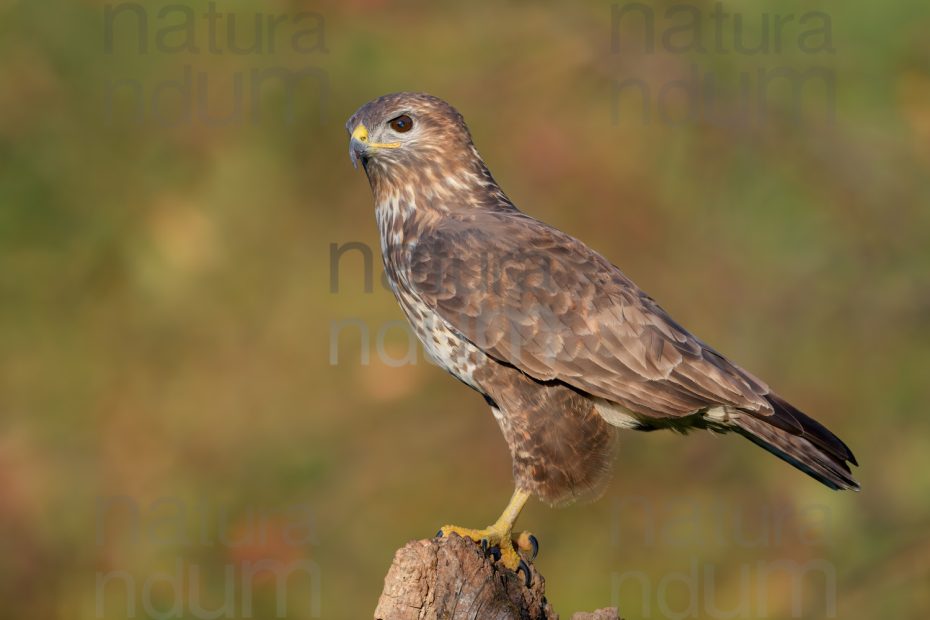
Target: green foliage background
{"type": "Point", "coordinates": [166, 306]}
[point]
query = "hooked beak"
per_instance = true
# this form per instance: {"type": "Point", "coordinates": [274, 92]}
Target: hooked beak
{"type": "Point", "coordinates": [360, 147]}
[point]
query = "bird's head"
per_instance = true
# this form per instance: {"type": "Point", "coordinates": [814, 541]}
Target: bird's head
{"type": "Point", "coordinates": [404, 130]}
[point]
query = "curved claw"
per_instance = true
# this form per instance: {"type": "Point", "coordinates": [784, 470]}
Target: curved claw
{"type": "Point", "coordinates": [495, 553]}
{"type": "Point", "coordinates": [438, 534]}
{"type": "Point", "coordinates": [484, 545]}
{"type": "Point", "coordinates": [528, 581]}
{"type": "Point", "coordinates": [527, 542]}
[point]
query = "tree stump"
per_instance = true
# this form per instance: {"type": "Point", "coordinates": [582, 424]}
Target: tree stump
{"type": "Point", "coordinates": [452, 578]}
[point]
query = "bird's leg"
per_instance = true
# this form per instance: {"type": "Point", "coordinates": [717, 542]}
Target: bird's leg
{"type": "Point", "coordinates": [499, 534]}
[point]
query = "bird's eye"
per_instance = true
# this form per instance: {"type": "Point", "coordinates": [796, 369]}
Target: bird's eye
{"type": "Point", "coordinates": [401, 124]}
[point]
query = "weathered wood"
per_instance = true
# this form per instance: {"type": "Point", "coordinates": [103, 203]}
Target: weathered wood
{"type": "Point", "coordinates": [451, 578]}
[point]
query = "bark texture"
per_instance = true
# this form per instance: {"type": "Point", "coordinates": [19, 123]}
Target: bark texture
{"type": "Point", "coordinates": [451, 578]}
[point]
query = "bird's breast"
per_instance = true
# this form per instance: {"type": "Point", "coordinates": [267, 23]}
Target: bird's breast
{"type": "Point", "coordinates": [399, 231]}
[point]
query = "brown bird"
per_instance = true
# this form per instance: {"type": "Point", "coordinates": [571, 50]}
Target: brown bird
{"type": "Point", "coordinates": [562, 345]}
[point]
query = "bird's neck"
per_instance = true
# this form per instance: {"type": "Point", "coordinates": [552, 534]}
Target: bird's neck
{"type": "Point", "coordinates": [405, 211]}
{"type": "Point", "coordinates": [415, 198]}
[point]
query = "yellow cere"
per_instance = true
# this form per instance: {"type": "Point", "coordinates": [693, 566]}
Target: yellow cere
{"type": "Point", "coordinates": [360, 133]}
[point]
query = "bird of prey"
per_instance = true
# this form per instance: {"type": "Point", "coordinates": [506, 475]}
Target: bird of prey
{"type": "Point", "coordinates": [563, 346]}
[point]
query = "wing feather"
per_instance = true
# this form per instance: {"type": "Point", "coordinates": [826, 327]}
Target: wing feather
{"type": "Point", "coordinates": [533, 297]}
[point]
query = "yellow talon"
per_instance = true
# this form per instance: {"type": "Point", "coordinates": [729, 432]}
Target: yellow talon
{"type": "Point", "coordinates": [499, 533]}
{"type": "Point", "coordinates": [489, 537]}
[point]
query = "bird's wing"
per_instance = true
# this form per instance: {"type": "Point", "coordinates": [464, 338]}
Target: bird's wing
{"type": "Point", "coordinates": [536, 298]}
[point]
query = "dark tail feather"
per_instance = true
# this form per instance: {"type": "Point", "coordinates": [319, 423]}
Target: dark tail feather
{"type": "Point", "coordinates": [801, 441]}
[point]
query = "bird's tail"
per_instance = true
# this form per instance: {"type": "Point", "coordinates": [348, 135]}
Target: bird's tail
{"type": "Point", "coordinates": [801, 441]}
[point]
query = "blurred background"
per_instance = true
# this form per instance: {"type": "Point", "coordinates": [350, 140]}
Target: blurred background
{"type": "Point", "coordinates": [197, 388]}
